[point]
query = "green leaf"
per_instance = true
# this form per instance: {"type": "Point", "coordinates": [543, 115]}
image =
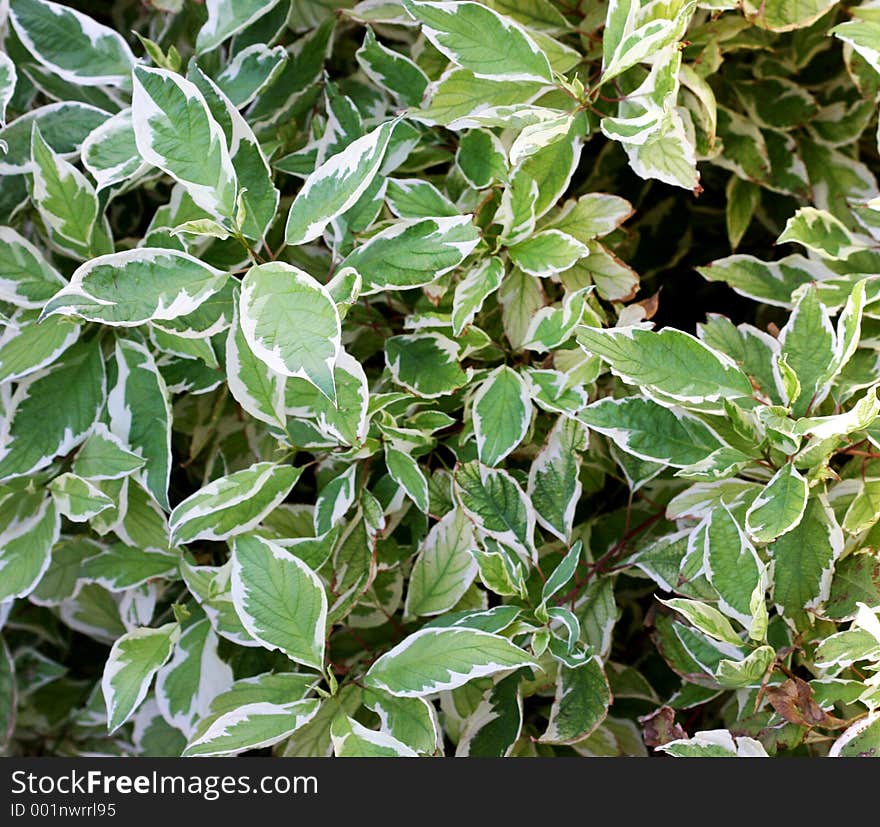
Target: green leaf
{"type": "Point", "coordinates": [706, 618]}
{"type": "Point", "coordinates": [228, 17]}
{"type": "Point", "coordinates": [140, 414]}
{"type": "Point", "coordinates": [444, 568]}
{"type": "Point", "coordinates": [651, 431]}
{"type": "Point", "coordinates": [279, 599]}
{"type": "Point", "coordinates": [291, 323]}
{"type": "Point", "coordinates": [8, 80]}
{"type": "Point", "coordinates": [250, 71]}
{"type": "Point", "coordinates": [354, 740]}
{"type": "Point", "coordinates": [129, 288]}
{"type": "Point", "coordinates": [547, 253]}
{"type": "Point", "coordinates": [804, 562]}
{"type": "Point", "coordinates": [593, 215]}
{"type": "Point", "coordinates": [628, 41]}
{"type": "Point", "coordinates": [30, 347]}
{"type": "Point", "coordinates": [233, 504]}
{"type": "Point", "coordinates": [472, 291]}
{"type": "Point", "coordinates": [863, 36]}
{"type": "Point", "coordinates": [405, 471]}
{"type": "Point", "coordinates": [670, 362]}
{"type": "Point", "coordinates": [860, 740]}
{"type": "Point", "coordinates": [30, 527]}
{"type": "Point", "coordinates": [104, 457]}
{"type": "Point", "coordinates": [821, 232]}
{"type": "Point", "coordinates": [732, 564]}
{"type": "Point", "coordinates": [481, 157]}
{"type": "Point", "coordinates": [28, 280]}
{"type": "Point", "coordinates": [77, 498]}
{"type": "Point", "coordinates": [252, 726]}
{"type": "Point", "coordinates": [502, 411]}
{"type": "Point", "coordinates": [779, 507]}
{"type": "Point", "coordinates": [121, 567]}
{"type": "Point", "coordinates": [413, 721]}
{"type": "Point", "coordinates": [554, 484]}
{"type": "Point", "coordinates": [72, 45]}
{"type": "Point", "coordinates": [336, 185]}
{"type": "Point", "coordinates": [412, 253]}
{"type": "Point", "coordinates": [67, 204]}
{"type": "Point", "coordinates": [714, 743]}
{"type": "Point", "coordinates": [392, 70]}
{"type": "Point", "coordinates": [432, 660]}
{"type": "Point", "coordinates": [494, 726]}
{"type": "Point", "coordinates": [580, 704]}
{"type": "Point", "coordinates": [134, 659]}
{"type": "Point", "coordinates": [426, 364]}
{"type": "Point", "coordinates": [63, 125]}
{"type": "Point", "coordinates": [772, 282]}
{"type": "Point", "coordinates": [175, 131]}
{"type": "Point", "coordinates": [748, 672]}
{"type": "Point", "coordinates": [496, 505]}
{"type": "Point", "coordinates": [481, 40]}
{"type": "Point", "coordinates": [52, 411]}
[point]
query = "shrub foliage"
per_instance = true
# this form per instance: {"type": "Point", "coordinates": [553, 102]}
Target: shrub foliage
{"type": "Point", "coordinates": [419, 378]}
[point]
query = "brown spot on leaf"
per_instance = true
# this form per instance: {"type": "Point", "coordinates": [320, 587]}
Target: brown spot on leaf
{"type": "Point", "coordinates": [793, 700]}
{"type": "Point", "coordinates": [660, 727]}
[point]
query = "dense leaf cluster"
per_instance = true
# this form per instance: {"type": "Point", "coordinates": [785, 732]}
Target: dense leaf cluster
{"type": "Point", "coordinates": [422, 378]}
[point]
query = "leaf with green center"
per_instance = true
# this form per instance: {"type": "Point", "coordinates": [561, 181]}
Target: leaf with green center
{"type": "Point", "coordinates": [670, 361]}
{"type": "Point", "coordinates": [651, 431]}
{"type": "Point", "coordinates": [627, 41]}
{"type": "Point", "coordinates": [77, 498]}
{"type": "Point", "coordinates": [432, 660]}
{"type": "Point", "coordinates": [427, 364]}
{"type": "Point", "coordinates": [140, 414]}
{"type": "Point", "coordinates": [473, 290]}
{"type": "Point", "coordinates": [186, 684]}
{"type": "Point", "coordinates": [547, 253]}
{"type": "Point", "coordinates": [497, 506]}
{"type": "Point", "coordinates": [233, 504]}
{"type": "Point", "coordinates": [27, 280]}
{"type": "Point", "coordinates": [280, 600]}
{"type": "Point", "coordinates": [706, 618]}
{"type": "Point", "coordinates": [779, 507]}
{"type": "Point", "coordinates": [134, 660]}
{"type": "Point", "coordinates": [731, 563]}
{"type": "Point", "coordinates": [227, 17]}
{"type": "Point", "coordinates": [580, 705]}
{"type": "Point", "coordinates": [392, 70]}
{"type": "Point", "coordinates": [554, 484]}
{"type": "Point", "coordinates": [444, 568]}
{"type": "Point", "coordinates": [804, 562]}
{"type": "Point", "coordinates": [405, 471]}
{"type": "Point", "coordinates": [52, 411]}
{"type": "Point", "coordinates": [175, 131]}
{"type": "Point", "coordinates": [481, 158]}
{"type": "Point", "coordinates": [820, 232]}
{"type": "Point", "coordinates": [28, 348]}
{"type": "Point", "coordinates": [481, 40]}
{"type": "Point", "coordinates": [67, 204]}
{"type": "Point", "coordinates": [104, 457]}
{"type": "Point", "coordinates": [291, 323]}
{"type": "Point", "coordinates": [121, 567]}
{"type": "Point", "coordinates": [72, 45]}
{"type": "Point", "coordinates": [354, 740]}
{"type": "Point", "coordinates": [30, 528]}
{"type": "Point", "coordinates": [413, 252]}
{"type": "Point", "coordinates": [336, 186]}
{"type": "Point", "coordinates": [134, 286]}
{"type": "Point", "coordinates": [502, 411]}
{"type": "Point", "coordinates": [494, 726]}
